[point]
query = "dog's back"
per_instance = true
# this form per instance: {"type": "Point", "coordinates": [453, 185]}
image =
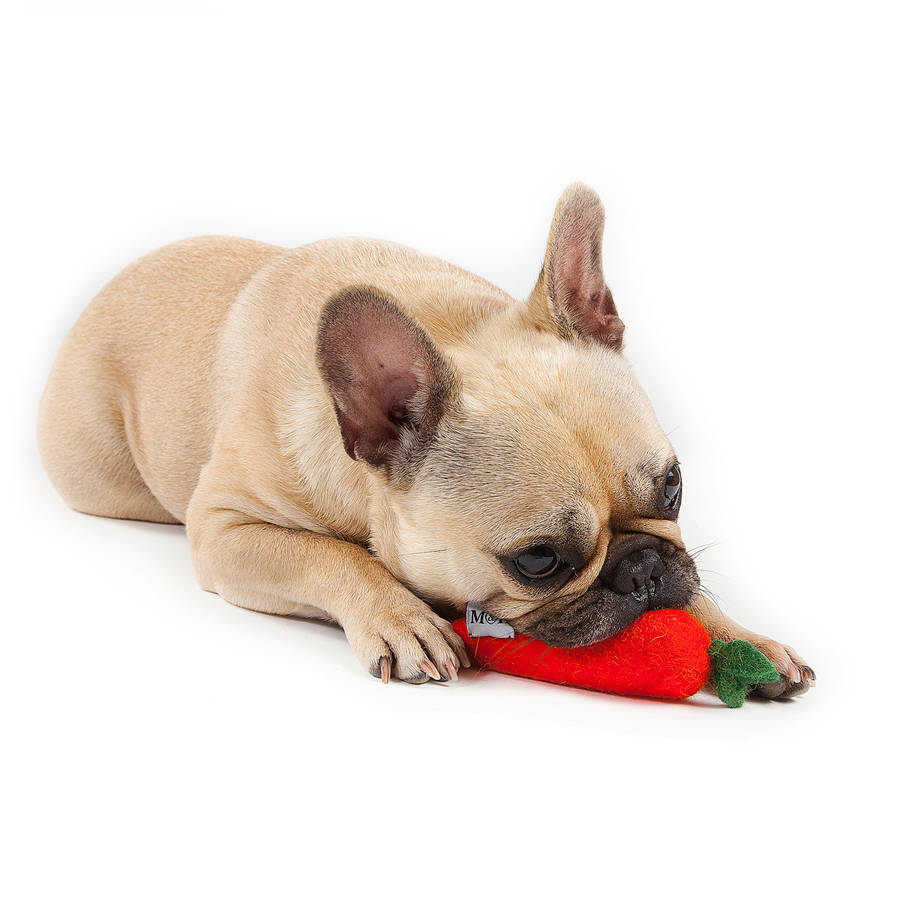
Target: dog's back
{"type": "Point", "coordinates": [137, 392]}
{"type": "Point", "coordinates": [140, 356]}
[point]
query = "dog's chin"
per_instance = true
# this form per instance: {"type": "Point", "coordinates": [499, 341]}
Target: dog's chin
{"type": "Point", "coordinates": [601, 612]}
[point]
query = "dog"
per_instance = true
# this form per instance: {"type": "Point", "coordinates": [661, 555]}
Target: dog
{"type": "Point", "coordinates": [355, 431]}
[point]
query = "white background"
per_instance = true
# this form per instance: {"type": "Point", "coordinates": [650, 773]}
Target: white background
{"type": "Point", "coordinates": [158, 742]}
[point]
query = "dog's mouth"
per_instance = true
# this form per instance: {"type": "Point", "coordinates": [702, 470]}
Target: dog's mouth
{"type": "Point", "coordinates": [649, 573]}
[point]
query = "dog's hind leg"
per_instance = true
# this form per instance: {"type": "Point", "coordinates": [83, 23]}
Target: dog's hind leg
{"type": "Point", "coordinates": [83, 442]}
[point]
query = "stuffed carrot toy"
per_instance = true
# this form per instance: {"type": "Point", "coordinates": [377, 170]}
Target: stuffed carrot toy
{"type": "Point", "coordinates": [665, 653]}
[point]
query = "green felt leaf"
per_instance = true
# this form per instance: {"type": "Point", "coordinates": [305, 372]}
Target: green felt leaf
{"type": "Point", "coordinates": [731, 690]}
{"type": "Point", "coordinates": [744, 660]}
{"type": "Point", "coordinates": [737, 666]}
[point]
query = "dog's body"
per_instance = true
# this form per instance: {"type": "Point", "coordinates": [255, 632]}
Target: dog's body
{"type": "Point", "coordinates": [350, 427]}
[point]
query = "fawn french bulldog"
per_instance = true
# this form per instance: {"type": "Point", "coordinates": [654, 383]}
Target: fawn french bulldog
{"type": "Point", "coordinates": [355, 431]}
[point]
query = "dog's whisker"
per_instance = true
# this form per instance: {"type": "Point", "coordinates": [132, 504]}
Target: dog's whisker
{"type": "Point", "coordinates": [514, 651]}
{"type": "Point", "coordinates": [538, 661]}
{"type": "Point", "coordinates": [419, 552]}
{"type": "Point", "coordinates": [711, 596]}
{"type": "Point", "coordinates": [694, 552]}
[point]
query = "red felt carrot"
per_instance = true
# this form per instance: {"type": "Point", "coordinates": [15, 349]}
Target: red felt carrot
{"type": "Point", "coordinates": [665, 653]}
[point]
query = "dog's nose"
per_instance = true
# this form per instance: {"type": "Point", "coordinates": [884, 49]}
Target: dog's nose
{"type": "Point", "coordinates": [623, 546]}
{"type": "Point", "coordinates": [636, 571]}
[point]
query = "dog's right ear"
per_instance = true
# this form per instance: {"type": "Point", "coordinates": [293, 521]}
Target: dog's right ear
{"type": "Point", "coordinates": [389, 383]}
{"type": "Point", "coordinates": [571, 296]}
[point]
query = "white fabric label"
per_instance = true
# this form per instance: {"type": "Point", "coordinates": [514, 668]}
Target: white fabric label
{"type": "Point", "coordinates": [482, 624]}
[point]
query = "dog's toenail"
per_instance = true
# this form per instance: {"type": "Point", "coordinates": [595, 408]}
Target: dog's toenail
{"type": "Point", "coordinates": [429, 669]}
{"type": "Point", "coordinates": [384, 664]}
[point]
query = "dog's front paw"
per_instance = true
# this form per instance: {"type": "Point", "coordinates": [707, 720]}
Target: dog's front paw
{"type": "Point", "coordinates": [796, 676]}
{"type": "Point", "coordinates": [408, 640]}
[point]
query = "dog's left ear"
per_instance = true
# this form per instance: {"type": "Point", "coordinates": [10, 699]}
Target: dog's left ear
{"type": "Point", "coordinates": [571, 295]}
{"type": "Point", "coordinates": [389, 384]}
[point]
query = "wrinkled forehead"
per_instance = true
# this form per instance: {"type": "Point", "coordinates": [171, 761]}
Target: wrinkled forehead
{"type": "Point", "coordinates": [552, 442]}
{"type": "Point", "coordinates": [578, 398]}
{"type": "Point", "coordinates": [501, 496]}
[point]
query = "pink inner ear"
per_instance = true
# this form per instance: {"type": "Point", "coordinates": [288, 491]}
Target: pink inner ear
{"type": "Point", "coordinates": [578, 289]}
{"type": "Point", "coordinates": [377, 402]}
{"type": "Point", "coordinates": [383, 372]}
{"type": "Point", "coordinates": [601, 321]}
{"type": "Point", "coordinates": [396, 393]}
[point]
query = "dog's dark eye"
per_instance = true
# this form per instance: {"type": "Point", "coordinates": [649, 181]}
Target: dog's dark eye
{"type": "Point", "coordinates": [537, 562]}
{"type": "Point", "coordinates": [670, 500]}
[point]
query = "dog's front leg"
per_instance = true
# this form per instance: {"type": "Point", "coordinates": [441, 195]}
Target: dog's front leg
{"type": "Point", "coordinates": [273, 569]}
{"type": "Point", "coordinates": [796, 676]}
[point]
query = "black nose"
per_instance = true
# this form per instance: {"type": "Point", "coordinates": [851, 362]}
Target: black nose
{"type": "Point", "coordinates": [637, 571]}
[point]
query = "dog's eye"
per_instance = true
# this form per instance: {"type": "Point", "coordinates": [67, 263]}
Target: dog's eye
{"type": "Point", "coordinates": [671, 492]}
{"type": "Point", "coordinates": [537, 562]}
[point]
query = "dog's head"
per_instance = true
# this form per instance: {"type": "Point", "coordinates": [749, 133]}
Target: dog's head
{"type": "Point", "coordinates": [522, 466]}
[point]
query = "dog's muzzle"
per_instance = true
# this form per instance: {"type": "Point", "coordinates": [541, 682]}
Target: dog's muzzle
{"type": "Point", "coordinates": [636, 567]}
{"type": "Point", "coordinates": [641, 572]}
